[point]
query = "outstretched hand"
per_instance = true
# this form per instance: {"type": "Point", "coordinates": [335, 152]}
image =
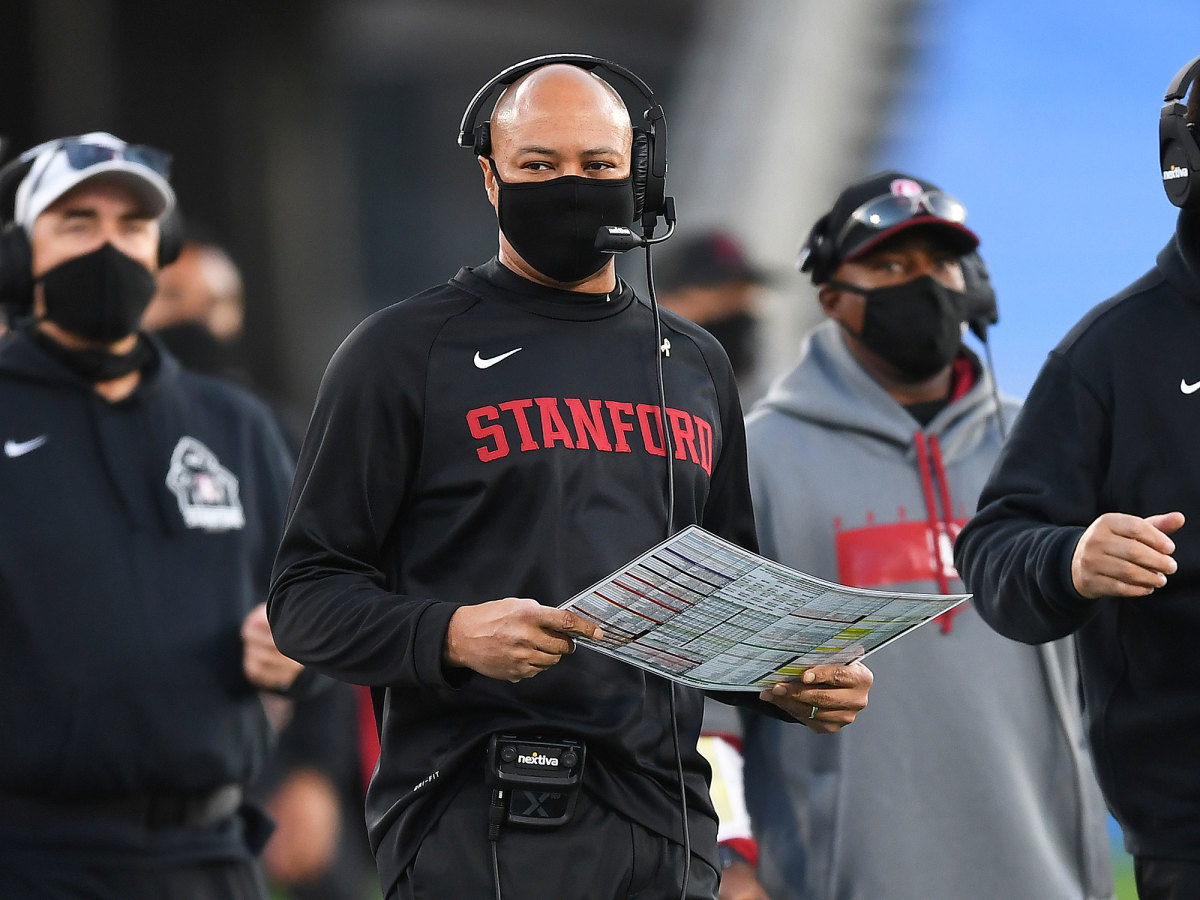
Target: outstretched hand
{"type": "Point", "coordinates": [825, 698]}
{"type": "Point", "coordinates": [1125, 556]}
{"type": "Point", "coordinates": [513, 638]}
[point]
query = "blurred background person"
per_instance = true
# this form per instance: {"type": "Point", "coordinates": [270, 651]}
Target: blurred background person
{"type": "Point", "coordinates": [709, 279]}
{"type": "Point", "coordinates": [199, 310]}
{"type": "Point", "coordinates": [313, 790]}
{"type": "Point", "coordinates": [312, 786]}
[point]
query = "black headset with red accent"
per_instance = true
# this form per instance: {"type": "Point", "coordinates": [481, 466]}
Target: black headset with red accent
{"type": "Point", "coordinates": [648, 164]}
{"type": "Point", "coordinates": [1178, 146]}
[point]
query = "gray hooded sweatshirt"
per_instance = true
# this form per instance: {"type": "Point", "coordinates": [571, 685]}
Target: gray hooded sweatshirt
{"type": "Point", "coordinates": [967, 776]}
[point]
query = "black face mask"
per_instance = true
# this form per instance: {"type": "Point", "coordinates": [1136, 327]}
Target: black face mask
{"type": "Point", "coordinates": [99, 296]}
{"type": "Point", "coordinates": [916, 326]}
{"type": "Point", "coordinates": [553, 224]}
{"type": "Point", "coordinates": [737, 334]}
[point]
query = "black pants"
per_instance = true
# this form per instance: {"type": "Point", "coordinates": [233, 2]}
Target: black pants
{"type": "Point", "coordinates": [62, 880]}
{"type": "Point", "coordinates": [598, 855]}
{"type": "Point", "coordinates": [1166, 879]}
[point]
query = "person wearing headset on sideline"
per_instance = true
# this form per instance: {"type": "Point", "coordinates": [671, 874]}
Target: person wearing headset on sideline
{"type": "Point", "coordinates": [497, 437]}
{"type": "Point", "coordinates": [865, 461]}
{"type": "Point", "coordinates": [1081, 528]}
{"type": "Point", "coordinates": [140, 509]}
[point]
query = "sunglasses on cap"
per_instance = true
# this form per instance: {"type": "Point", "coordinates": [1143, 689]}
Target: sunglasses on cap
{"type": "Point", "coordinates": [82, 154]}
{"type": "Point", "coordinates": [884, 212]}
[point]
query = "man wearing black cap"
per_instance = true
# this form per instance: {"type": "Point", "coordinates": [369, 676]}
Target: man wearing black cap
{"type": "Point", "coordinates": [709, 279]}
{"type": "Point", "coordinates": [865, 461]}
{"type": "Point", "coordinates": [140, 506]}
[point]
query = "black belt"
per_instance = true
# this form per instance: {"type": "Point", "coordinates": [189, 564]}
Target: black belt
{"type": "Point", "coordinates": [148, 809]}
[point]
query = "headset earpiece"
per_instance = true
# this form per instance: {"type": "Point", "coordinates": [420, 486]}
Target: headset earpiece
{"type": "Point", "coordinates": [639, 170]}
{"type": "Point", "coordinates": [980, 305]}
{"type": "Point", "coordinates": [816, 253]}
{"type": "Point", "coordinates": [170, 237]}
{"type": "Point", "coordinates": [1178, 148]}
{"type": "Point", "coordinates": [481, 140]}
{"type": "Point", "coordinates": [16, 286]}
{"type": "Point", "coordinates": [16, 261]}
{"type": "Point", "coordinates": [648, 163]}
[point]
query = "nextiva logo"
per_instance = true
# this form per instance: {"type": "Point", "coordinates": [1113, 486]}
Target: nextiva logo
{"type": "Point", "coordinates": [1172, 173]}
{"type": "Point", "coordinates": [537, 759]}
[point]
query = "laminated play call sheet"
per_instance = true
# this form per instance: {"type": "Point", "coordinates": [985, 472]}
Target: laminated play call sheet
{"type": "Point", "coordinates": [706, 613]}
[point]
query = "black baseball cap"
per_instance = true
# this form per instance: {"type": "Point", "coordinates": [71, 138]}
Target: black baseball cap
{"type": "Point", "coordinates": [870, 211]}
{"type": "Point", "coordinates": [702, 260]}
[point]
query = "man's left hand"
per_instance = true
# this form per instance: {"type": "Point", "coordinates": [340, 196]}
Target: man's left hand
{"type": "Point", "coordinates": [265, 667]}
{"type": "Point", "coordinates": [825, 698]}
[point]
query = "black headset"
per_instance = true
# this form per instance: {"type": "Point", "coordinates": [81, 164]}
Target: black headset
{"type": "Point", "coordinates": [648, 164]}
{"type": "Point", "coordinates": [1178, 147]}
{"type": "Point", "coordinates": [979, 303]}
{"type": "Point", "coordinates": [16, 258]}
{"type": "Point", "coordinates": [817, 252]}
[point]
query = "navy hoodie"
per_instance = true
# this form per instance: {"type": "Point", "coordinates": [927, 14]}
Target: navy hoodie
{"type": "Point", "coordinates": [134, 538]}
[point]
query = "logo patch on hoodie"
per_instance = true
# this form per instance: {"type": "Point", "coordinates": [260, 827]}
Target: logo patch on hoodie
{"type": "Point", "coordinates": [207, 492]}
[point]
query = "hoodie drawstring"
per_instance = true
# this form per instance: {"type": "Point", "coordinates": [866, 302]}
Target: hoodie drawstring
{"type": "Point", "coordinates": [939, 470]}
{"type": "Point", "coordinates": [929, 461]}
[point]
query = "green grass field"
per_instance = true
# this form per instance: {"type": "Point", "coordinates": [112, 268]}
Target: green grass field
{"type": "Point", "coordinates": [1123, 875]}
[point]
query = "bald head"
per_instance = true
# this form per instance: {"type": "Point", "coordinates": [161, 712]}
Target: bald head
{"type": "Point", "coordinates": [203, 285]}
{"type": "Point", "coordinates": [562, 99]}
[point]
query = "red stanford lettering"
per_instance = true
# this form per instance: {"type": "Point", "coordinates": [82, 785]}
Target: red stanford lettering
{"type": "Point", "coordinates": [609, 426]}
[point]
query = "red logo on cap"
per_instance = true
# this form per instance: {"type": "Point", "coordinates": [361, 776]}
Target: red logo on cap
{"type": "Point", "coordinates": [906, 187]}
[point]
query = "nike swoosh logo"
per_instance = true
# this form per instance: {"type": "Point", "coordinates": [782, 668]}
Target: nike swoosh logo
{"type": "Point", "coordinates": [13, 449]}
{"type": "Point", "coordinates": [481, 363]}
{"type": "Point", "coordinates": [1188, 388]}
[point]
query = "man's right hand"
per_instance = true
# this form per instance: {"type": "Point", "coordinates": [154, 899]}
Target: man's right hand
{"type": "Point", "coordinates": [1125, 556]}
{"type": "Point", "coordinates": [513, 638]}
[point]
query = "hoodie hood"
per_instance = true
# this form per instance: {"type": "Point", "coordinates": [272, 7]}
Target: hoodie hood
{"type": "Point", "coordinates": [1179, 261]}
{"type": "Point", "coordinates": [829, 388]}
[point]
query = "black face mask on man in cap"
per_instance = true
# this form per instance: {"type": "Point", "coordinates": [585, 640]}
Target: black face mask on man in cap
{"type": "Point", "coordinates": [737, 334]}
{"type": "Point", "coordinates": [916, 326]}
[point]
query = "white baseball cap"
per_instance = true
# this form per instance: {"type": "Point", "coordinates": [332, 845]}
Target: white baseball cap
{"type": "Point", "coordinates": [64, 163]}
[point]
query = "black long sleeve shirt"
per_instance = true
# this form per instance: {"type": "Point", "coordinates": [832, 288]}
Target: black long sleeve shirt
{"type": "Point", "coordinates": [489, 438]}
{"type": "Point", "coordinates": [1111, 425]}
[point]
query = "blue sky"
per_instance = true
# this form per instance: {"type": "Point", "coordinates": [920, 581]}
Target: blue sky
{"type": "Point", "coordinates": [1043, 119]}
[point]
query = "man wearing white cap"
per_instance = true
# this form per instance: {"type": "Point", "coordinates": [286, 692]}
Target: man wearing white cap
{"type": "Point", "coordinates": [140, 506]}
